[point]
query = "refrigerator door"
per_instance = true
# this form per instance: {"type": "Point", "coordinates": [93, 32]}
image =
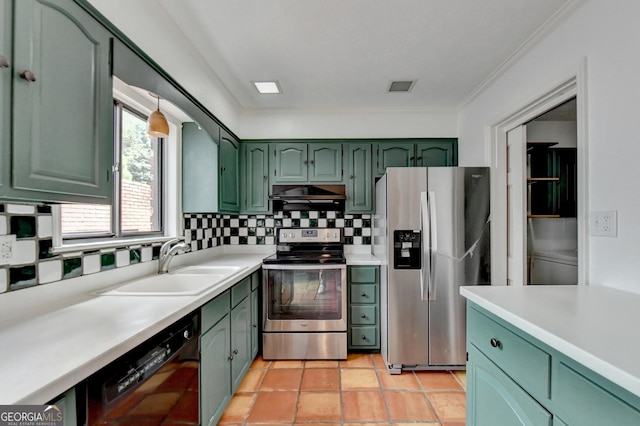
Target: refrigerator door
{"type": "Point", "coordinates": [405, 341]}
{"type": "Point", "coordinates": [459, 201]}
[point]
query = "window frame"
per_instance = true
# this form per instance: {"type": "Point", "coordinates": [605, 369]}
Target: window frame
{"type": "Point", "coordinates": [116, 233]}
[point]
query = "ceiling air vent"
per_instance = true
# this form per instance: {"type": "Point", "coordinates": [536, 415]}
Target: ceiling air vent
{"type": "Point", "coordinates": [401, 86]}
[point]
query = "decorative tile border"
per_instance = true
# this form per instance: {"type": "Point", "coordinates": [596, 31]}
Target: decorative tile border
{"type": "Point", "coordinates": [33, 263]}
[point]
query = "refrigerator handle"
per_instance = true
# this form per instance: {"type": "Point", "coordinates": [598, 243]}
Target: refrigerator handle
{"type": "Point", "coordinates": [433, 246]}
{"type": "Point", "coordinates": [426, 258]}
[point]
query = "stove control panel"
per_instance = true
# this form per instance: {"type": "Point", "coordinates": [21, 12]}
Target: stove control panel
{"type": "Point", "coordinates": [309, 235]}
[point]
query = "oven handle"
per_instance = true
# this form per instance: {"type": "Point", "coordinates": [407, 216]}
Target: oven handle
{"type": "Point", "coordinates": [301, 267]}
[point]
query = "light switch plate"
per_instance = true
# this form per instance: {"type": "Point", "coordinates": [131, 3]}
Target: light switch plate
{"type": "Point", "coordinates": [604, 224]}
{"type": "Point", "coordinates": [7, 244]}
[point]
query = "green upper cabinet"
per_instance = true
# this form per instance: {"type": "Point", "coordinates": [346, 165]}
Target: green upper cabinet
{"type": "Point", "coordinates": [312, 162]}
{"type": "Point", "coordinates": [290, 162]}
{"type": "Point", "coordinates": [6, 60]}
{"type": "Point", "coordinates": [359, 178]}
{"type": "Point", "coordinates": [62, 110]}
{"type": "Point", "coordinates": [254, 177]}
{"type": "Point", "coordinates": [199, 170]}
{"type": "Point", "coordinates": [394, 154]}
{"type": "Point", "coordinates": [416, 153]}
{"type": "Point", "coordinates": [437, 152]}
{"type": "Point", "coordinates": [325, 162]}
{"type": "Point", "coordinates": [229, 183]}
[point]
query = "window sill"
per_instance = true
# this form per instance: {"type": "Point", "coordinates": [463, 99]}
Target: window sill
{"type": "Point", "coordinates": [107, 244]}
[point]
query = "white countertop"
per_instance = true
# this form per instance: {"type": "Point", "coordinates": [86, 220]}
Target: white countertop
{"type": "Point", "coordinates": [47, 349]}
{"type": "Point", "coordinates": [360, 255]}
{"type": "Point", "coordinates": [594, 325]}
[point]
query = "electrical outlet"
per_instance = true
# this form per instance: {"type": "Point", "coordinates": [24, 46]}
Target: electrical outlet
{"type": "Point", "coordinates": [604, 224]}
{"type": "Point", "coordinates": [7, 242]}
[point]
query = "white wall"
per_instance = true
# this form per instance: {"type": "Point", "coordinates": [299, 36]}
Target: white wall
{"type": "Point", "coordinates": [607, 34]}
{"type": "Point", "coordinates": [565, 133]}
{"type": "Point", "coordinates": [286, 124]}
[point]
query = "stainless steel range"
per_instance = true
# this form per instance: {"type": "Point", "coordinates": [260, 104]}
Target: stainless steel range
{"type": "Point", "coordinates": [304, 293]}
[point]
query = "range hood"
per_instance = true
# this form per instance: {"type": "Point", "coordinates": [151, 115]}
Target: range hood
{"type": "Point", "coordinates": [308, 197]}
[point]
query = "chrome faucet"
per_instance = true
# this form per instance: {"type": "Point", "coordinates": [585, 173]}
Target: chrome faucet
{"type": "Point", "coordinates": [167, 251]}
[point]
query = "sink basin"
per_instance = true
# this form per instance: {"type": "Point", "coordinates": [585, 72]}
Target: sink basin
{"type": "Point", "coordinates": [207, 270]}
{"type": "Point", "coordinates": [167, 285]}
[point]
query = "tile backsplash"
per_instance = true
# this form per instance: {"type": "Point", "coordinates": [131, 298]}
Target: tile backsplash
{"type": "Point", "coordinates": [33, 262]}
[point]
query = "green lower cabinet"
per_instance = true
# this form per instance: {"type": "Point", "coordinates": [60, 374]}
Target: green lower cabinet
{"type": "Point", "coordinates": [587, 399]}
{"type": "Point", "coordinates": [514, 379]}
{"type": "Point", "coordinates": [255, 323]}
{"type": "Point", "coordinates": [494, 399]}
{"type": "Point", "coordinates": [240, 342]}
{"type": "Point", "coordinates": [226, 347]}
{"type": "Point", "coordinates": [363, 331]}
{"type": "Point", "coordinates": [67, 404]}
{"type": "Point", "coordinates": [215, 371]}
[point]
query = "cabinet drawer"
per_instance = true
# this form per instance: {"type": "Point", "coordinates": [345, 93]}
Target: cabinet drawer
{"type": "Point", "coordinates": [363, 293]}
{"type": "Point", "coordinates": [215, 310]}
{"type": "Point", "coordinates": [255, 280]}
{"type": "Point", "coordinates": [583, 400]}
{"type": "Point", "coordinates": [526, 363]}
{"type": "Point", "coordinates": [364, 336]}
{"type": "Point", "coordinates": [363, 315]}
{"type": "Point", "coordinates": [363, 274]}
{"type": "Point", "coordinates": [494, 398]}
{"type": "Point", "coordinates": [240, 291]}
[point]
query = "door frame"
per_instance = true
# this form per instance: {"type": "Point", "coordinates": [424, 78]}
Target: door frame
{"type": "Point", "coordinates": [574, 86]}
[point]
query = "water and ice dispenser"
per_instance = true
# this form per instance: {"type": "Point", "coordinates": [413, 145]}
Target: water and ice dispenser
{"type": "Point", "coordinates": [407, 249]}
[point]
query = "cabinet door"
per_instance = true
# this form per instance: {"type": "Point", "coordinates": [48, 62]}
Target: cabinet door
{"type": "Point", "coordinates": [199, 170]}
{"type": "Point", "coordinates": [254, 176]}
{"type": "Point", "coordinates": [290, 162]}
{"type": "Point", "coordinates": [215, 372]}
{"type": "Point", "coordinates": [67, 404]}
{"type": "Point", "coordinates": [394, 154]}
{"type": "Point", "coordinates": [255, 322]}
{"type": "Point", "coordinates": [325, 162]}
{"type": "Point", "coordinates": [240, 342]}
{"type": "Point", "coordinates": [359, 179]}
{"type": "Point", "coordinates": [6, 67]}
{"type": "Point", "coordinates": [229, 196]}
{"type": "Point", "coordinates": [566, 161]}
{"type": "Point", "coordinates": [493, 398]}
{"type": "Point", "coordinates": [436, 153]}
{"type": "Point", "coordinates": [63, 114]}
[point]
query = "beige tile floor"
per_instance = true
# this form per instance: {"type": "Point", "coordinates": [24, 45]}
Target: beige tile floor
{"type": "Point", "coordinates": [356, 391]}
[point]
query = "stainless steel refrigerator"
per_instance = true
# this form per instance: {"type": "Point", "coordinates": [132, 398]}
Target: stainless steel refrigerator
{"type": "Point", "coordinates": [431, 232]}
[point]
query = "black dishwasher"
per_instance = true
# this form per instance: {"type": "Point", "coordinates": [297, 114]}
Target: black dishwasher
{"type": "Point", "coordinates": [154, 384]}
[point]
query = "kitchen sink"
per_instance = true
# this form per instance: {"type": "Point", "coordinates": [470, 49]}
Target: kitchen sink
{"type": "Point", "coordinates": [208, 270]}
{"type": "Point", "coordinates": [167, 285]}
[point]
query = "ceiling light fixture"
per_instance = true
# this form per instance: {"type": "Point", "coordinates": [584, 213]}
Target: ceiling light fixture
{"type": "Point", "coordinates": [157, 125]}
{"type": "Point", "coordinates": [267, 87]}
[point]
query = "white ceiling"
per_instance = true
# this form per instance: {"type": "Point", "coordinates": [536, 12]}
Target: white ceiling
{"type": "Point", "coordinates": [340, 54]}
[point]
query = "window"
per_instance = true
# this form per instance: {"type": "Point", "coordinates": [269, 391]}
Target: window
{"type": "Point", "coordinates": [137, 207]}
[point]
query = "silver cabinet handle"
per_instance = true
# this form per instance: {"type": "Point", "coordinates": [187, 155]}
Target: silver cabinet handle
{"type": "Point", "coordinates": [28, 76]}
{"type": "Point", "coordinates": [3, 62]}
{"type": "Point", "coordinates": [363, 316]}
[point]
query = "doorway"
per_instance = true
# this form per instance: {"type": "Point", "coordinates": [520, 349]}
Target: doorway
{"type": "Point", "coordinates": [510, 192]}
{"type": "Point", "coordinates": [552, 195]}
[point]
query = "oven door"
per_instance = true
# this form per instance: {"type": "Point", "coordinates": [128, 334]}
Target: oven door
{"type": "Point", "coordinates": [305, 298]}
